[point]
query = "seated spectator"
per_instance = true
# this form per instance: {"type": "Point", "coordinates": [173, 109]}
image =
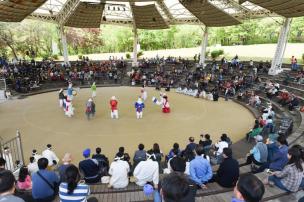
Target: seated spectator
{"type": "Point", "coordinates": [102, 160]}
{"type": "Point", "coordinates": [36, 155]}
{"type": "Point", "coordinates": [73, 190]}
{"type": "Point", "coordinates": [228, 172]}
{"type": "Point", "coordinates": [158, 153]}
{"type": "Point", "coordinates": [205, 140]}
{"type": "Point", "coordinates": [24, 180]}
{"type": "Point", "coordinates": [248, 189]}
{"type": "Point", "coordinates": [2, 164]}
{"type": "Point", "coordinates": [258, 155]}
{"type": "Point", "coordinates": [290, 178]}
{"type": "Point", "coordinates": [188, 152]}
{"type": "Point", "coordinates": [32, 166]}
{"type": "Point", "coordinates": [293, 103]}
{"type": "Point", "coordinates": [121, 151]}
{"type": "Point", "coordinates": [7, 187]}
{"type": "Point", "coordinates": [219, 149]}
{"type": "Point", "coordinates": [89, 168]}
{"type": "Point", "coordinates": [44, 182]}
{"type": "Point", "coordinates": [227, 139]}
{"type": "Point", "coordinates": [139, 155]}
{"type": "Point", "coordinates": [257, 129]}
{"type": "Point", "coordinates": [66, 162]}
{"type": "Point", "coordinates": [171, 153]}
{"type": "Point", "coordinates": [176, 187]}
{"type": "Point", "coordinates": [119, 170]}
{"type": "Point", "coordinates": [50, 155]}
{"type": "Point", "coordinates": [200, 168]}
{"type": "Point", "coordinates": [147, 171]}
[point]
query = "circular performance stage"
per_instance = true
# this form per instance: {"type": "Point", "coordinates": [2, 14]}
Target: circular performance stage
{"type": "Point", "coordinates": [41, 121]}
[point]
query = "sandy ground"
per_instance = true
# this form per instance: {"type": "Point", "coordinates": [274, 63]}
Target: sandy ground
{"type": "Point", "coordinates": [245, 52]}
{"type": "Point", "coordinates": [41, 121]}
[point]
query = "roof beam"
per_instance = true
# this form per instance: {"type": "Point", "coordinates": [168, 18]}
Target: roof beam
{"type": "Point", "coordinates": [67, 11]}
{"type": "Point", "coordinates": [165, 8]}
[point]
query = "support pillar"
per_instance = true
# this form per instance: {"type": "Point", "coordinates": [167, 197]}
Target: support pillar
{"type": "Point", "coordinates": [276, 65]}
{"type": "Point", "coordinates": [135, 62]}
{"type": "Point", "coordinates": [204, 47]}
{"type": "Point", "coordinates": [64, 46]}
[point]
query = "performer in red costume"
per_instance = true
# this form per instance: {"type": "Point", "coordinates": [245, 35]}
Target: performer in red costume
{"type": "Point", "coordinates": [165, 104]}
{"type": "Point", "coordinates": [113, 105]}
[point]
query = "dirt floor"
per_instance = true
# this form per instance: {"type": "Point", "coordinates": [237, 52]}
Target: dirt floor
{"type": "Point", "coordinates": [41, 121]}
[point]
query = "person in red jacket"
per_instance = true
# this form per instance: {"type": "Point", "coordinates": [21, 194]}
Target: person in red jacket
{"type": "Point", "coordinates": [113, 105]}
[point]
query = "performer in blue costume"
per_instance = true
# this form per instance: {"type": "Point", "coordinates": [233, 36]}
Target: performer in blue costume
{"type": "Point", "coordinates": [70, 91]}
{"type": "Point", "coordinates": [139, 106]}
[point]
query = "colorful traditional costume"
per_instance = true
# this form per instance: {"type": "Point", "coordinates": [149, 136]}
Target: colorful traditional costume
{"type": "Point", "coordinates": [113, 105]}
{"type": "Point", "coordinates": [93, 88]}
{"type": "Point", "coordinates": [139, 106]}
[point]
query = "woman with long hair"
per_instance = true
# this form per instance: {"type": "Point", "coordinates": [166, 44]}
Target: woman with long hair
{"type": "Point", "coordinates": [74, 189]}
{"type": "Point", "coordinates": [289, 179]}
{"type": "Point", "coordinates": [24, 181]}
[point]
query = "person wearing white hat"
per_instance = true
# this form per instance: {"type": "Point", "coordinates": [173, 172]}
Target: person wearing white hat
{"type": "Point", "coordinates": [50, 155]}
{"type": "Point", "coordinates": [144, 94]}
{"type": "Point", "coordinates": [139, 106]}
{"type": "Point", "coordinates": [113, 105]}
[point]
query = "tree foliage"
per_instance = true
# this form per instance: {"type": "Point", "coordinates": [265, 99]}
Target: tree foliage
{"type": "Point", "coordinates": [23, 39]}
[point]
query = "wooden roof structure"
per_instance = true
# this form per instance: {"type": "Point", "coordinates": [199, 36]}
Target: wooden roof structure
{"type": "Point", "coordinates": [147, 14]}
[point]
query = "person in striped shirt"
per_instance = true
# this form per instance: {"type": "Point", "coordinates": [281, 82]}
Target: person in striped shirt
{"type": "Point", "coordinates": [73, 189]}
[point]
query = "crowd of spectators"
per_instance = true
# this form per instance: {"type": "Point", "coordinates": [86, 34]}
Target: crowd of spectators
{"type": "Point", "coordinates": [46, 177]}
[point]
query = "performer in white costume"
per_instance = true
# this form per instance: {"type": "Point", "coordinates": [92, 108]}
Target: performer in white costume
{"type": "Point", "coordinates": [69, 109]}
{"type": "Point", "coordinates": [144, 94]}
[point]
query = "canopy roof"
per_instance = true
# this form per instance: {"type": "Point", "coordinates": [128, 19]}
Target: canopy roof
{"type": "Point", "coordinates": [147, 14]}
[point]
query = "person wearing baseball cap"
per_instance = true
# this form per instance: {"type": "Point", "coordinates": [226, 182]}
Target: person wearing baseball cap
{"type": "Point", "coordinates": [89, 167]}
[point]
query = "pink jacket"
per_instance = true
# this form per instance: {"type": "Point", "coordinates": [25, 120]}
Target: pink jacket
{"type": "Point", "coordinates": [26, 185]}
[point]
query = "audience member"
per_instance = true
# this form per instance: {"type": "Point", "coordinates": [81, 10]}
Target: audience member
{"type": "Point", "coordinates": [44, 182]}
{"type": "Point", "coordinates": [172, 153]}
{"type": "Point", "coordinates": [176, 187]}
{"type": "Point", "coordinates": [248, 189]}
{"type": "Point", "coordinates": [290, 178]}
{"type": "Point", "coordinates": [66, 162]}
{"type": "Point", "coordinates": [24, 180]}
{"type": "Point", "coordinates": [119, 170]}
{"type": "Point", "coordinates": [89, 168]}
{"type": "Point", "coordinates": [73, 189]}
{"type": "Point", "coordinates": [2, 164]}
{"type": "Point", "coordinates": [228, 172]}
{"type": "Point", "coordinates": [50, 155]}
{"type": "Point", "coordinates": [258, 155]}
{"type": "Point", "coordinates": [32, 166]}
{"type": "Point", "coordinates": [205, 140]}
{"type": "Point", "coordinates": [200, 168]}
{"type": "Point", "coordinates": [147, 171]}
{"type": "Point", "coordinates": [102, 160]}
{"type": "Point", "coordinates": [139, 155]}
{"type": "Point", "coordinates": [7, 187]}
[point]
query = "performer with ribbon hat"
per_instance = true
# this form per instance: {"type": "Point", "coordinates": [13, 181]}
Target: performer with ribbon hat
{"type": "Point", "coordinates": [69, 109]}
{"type": "Point", "coordinates": [144, 94]}
{"type": "Point", "coordinates": [113, 105]}
{"type": "Point", "coordinates": [139, 106]}
{"type": "Point", "coordinates": [163, 102]}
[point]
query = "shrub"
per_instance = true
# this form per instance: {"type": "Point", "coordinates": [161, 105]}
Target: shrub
{"type": "Point", "coordinates": [55, 57]}
{"type": "Point", "coordinates": [139, 54]}
{"type": "Point", "coordinates": [80, 57]}
{"type": "Point", "coordinates": [207, 53]}
{"type": "Point", "coordinates": [128, 56]}
{"type": "Point", "coordinates": [216, 53]}
{"type": "Point", "coordinates": [303, 58]}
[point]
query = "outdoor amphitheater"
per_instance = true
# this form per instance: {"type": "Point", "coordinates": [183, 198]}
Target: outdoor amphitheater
{"type": "Point", "coordinates": [80, 123]}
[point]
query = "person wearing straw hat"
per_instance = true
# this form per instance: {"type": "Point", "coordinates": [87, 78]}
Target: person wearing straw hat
{"type": "Point", "coordinates": [113, 105]}
{"type": "Point", "coordinates": [66, 162]}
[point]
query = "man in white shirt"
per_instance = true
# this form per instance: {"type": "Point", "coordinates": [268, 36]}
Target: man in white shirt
{"type": "Point", "coordinates": [119, 170]}
{"type": "Point", "coordinates": [147, 171]}
{"type": "Point", "coordinates": [50, 155]}
{"type": "Point", "coordinates": [220, 147]}
{"type": "Point", "coordinates": [36, 155]}
{"type": "Point", "coordinates": [32, 166]}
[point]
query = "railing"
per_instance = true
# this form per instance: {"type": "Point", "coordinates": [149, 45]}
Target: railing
{"type": "Point", "coordinates": [12, 152]}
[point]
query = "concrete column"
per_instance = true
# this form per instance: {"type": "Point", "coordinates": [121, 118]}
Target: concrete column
{"type": "Point", "coordinates": [276, 65]}
{"type": "Point", "coordinates": [204, 47]}
{"type": "Point", "coordinates": [64, 46]}
{"type": "Point", "coordinates": [135, 42]}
